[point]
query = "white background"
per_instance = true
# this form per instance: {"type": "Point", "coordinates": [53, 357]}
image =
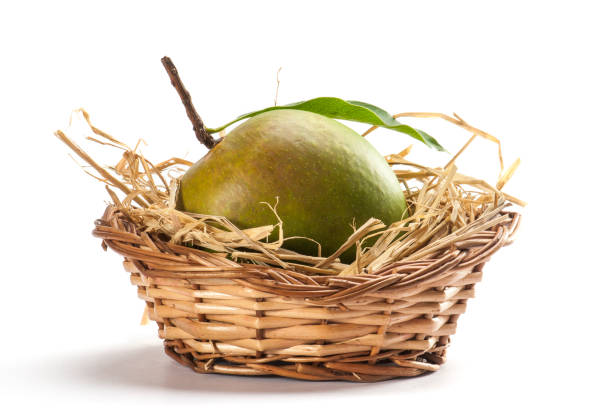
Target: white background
{"type": "Point", "coordinates": [535, 74]}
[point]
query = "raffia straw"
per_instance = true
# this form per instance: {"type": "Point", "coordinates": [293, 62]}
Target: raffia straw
{"type": "Point", "coordinates": [446, 207]}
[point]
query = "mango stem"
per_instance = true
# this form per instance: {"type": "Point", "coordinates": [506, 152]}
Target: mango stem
{"type": "Point", "coordinates": [198, 125]}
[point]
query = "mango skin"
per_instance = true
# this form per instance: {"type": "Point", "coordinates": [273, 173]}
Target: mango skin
{"type": "Point", "coordinates": [325, 175]}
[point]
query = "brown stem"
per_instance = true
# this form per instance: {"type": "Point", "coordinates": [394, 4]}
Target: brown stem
{"type": "Point", "coordinates": [198, 125]}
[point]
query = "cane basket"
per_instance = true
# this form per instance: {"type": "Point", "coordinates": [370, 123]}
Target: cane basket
{"type": "Point", "coordinates": [216, 315]}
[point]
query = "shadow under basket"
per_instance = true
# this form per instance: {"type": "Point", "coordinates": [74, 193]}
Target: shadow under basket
{"type": "Point", "coordinates": [219, 316]}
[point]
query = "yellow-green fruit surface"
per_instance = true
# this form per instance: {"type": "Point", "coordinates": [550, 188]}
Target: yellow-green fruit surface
{"type": "Point", "coordinates": [325, 175]}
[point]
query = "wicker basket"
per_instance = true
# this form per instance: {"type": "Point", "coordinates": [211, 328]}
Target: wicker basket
{"type": "Point", "coordinates": [219, 316]}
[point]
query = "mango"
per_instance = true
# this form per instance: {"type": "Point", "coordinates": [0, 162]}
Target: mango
{"type": "Point", "coordinates": [327, 179]}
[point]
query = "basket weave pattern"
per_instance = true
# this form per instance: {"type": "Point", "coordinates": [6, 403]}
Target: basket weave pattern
{"type": "Point", "coordinates": [219, 316]}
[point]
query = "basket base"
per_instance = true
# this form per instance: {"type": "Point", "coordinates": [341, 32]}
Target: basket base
{"type": "Point", "coordinates": [355, 369]}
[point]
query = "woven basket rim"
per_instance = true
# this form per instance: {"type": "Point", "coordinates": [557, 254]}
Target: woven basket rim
{"type": "Point", "coordinates": [116, 230]}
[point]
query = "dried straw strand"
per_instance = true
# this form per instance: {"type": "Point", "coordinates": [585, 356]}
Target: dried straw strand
{"type": "Point", "coordinates": [443, 211]}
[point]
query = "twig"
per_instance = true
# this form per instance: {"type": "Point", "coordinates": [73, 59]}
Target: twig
{"type": "Point", "coordinates": [198, 125]}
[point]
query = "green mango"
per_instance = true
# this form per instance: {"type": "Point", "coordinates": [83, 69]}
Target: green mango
{"type": "Point", "coordinates": [327, 179]}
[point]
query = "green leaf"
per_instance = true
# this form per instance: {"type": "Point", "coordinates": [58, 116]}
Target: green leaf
{"type": "Point", "coordinates": [347, 110]}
